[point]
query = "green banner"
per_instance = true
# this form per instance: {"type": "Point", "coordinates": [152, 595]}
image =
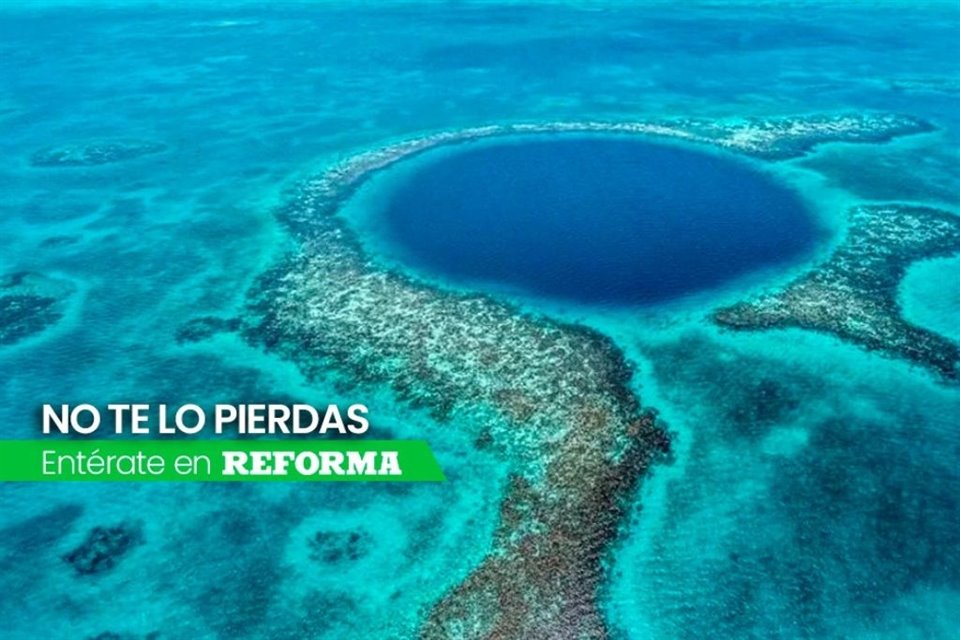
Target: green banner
{"type": "Point", "coordinates": [218, 460]}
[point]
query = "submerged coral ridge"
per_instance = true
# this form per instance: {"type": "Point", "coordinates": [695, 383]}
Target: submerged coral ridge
{"type": "Point", "coordinates": [554, 398]}
{"type": "Point", "coordinates": [543, 576]}
{"type": "Point", "coordinates": [95, 153]}
{"type": "Point", "coordinates": [853, 295]}
{"type": "Point", "coordinates": [560, 404]}
{"type": "Point", "coordinates": [781, 138]}
{"type": "Point", "coordinates": [29, 304]}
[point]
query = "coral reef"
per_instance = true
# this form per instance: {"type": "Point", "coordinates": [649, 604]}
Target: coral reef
{"type": "Point", "coordinates": [104, 547]}
{"type": "Point", "coordinates": [29, 303]}
{"type": "Point", "coordinates": [204, 327]}
{"type": "Point", "coordinates": [94, 153]}
{"type": "Point", "coordinates": [542, 579]}
{"type": "Point", "coordinates": [781, 138]}
{"type": "Point", "coordinates": [557, 395]}
{"type": "Point", "coordinates": [853, 295]}
{"type": "Point", "coordinates": [334, 546]}
{"type": "Point", "coordinates": [553, 398]}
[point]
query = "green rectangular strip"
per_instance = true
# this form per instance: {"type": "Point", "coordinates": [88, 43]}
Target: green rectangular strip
{"type": "Point", "coordinates": [207, 460]}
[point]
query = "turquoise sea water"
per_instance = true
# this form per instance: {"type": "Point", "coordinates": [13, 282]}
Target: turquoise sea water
{"type": "Point", "coordinates": [814, 487]}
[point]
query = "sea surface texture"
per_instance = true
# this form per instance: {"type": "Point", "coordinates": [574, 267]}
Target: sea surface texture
{"type": "Point", "coordinates": [671, 289]}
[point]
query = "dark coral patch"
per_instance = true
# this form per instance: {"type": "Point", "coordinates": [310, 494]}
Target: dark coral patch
{"type": "Point", "coordinates": [338, 546]}
{"type": "Point", "coordinates": [104, 547]}
{"type": "Point", "coordinates": [25, 315]}
{"type": "Point", "coordinates": [205, 327]}
{"type": "Point", "coordinates": [60, 241]}
{"type": "Point", "coordinates": [29, 303]}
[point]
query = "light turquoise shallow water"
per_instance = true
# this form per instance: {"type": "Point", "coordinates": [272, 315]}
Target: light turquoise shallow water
{"type": "Point", "coordinates": [814, 488]}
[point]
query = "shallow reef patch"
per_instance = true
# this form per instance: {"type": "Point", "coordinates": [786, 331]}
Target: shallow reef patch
{"type": "Point", "coordinates": [853, 295]}
{"type": "Point", "coordinates": [451, 354]}
{"type": "Point", "coordinates": [782, 138]}
{"type": "Point", "coordinates": [113, 635]}
{"type": "Point", "coordinates": [88, 154]}
{"type": "Point", "coordinates": [338, 546]}
{"type": "Point", "coordinates": [203, 327]}
{"type": "Point", "coordinates": [29, 304]}
{"type": "Point", "coordinates": [104, 547]}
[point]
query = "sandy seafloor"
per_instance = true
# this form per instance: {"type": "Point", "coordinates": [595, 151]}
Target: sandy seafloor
{"type": "Point", "coordinates": [814, 491]}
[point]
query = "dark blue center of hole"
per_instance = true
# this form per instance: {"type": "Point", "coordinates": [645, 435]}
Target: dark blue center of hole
{"type": "Point", "coordinates": [600, 219]}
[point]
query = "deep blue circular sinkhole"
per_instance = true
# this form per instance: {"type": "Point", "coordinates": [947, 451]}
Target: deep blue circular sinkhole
{"type": "Point", "coordinates": [594, 219]}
